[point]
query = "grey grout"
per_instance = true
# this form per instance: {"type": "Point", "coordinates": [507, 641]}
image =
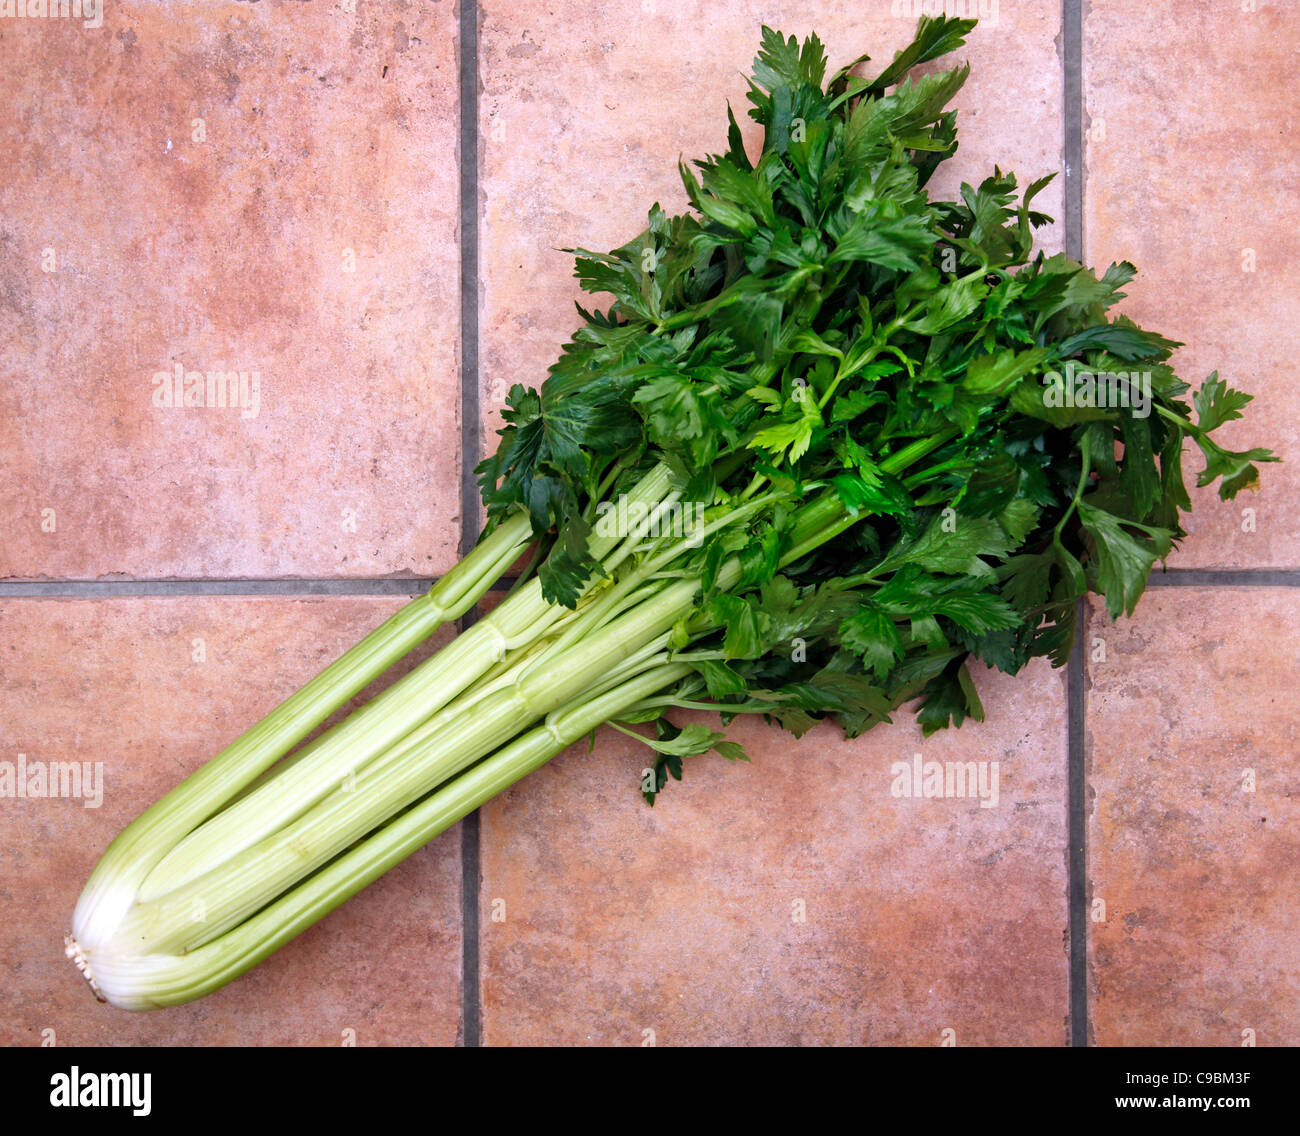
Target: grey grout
{"type": "Point", "coordinates": [1072, 58]}
{"type": "Point", "coordinates": [470, 433]}
{"type": "Point", "coordinates": [298, 586]}
{"type": "Point", "coordinates": [1076, 796]}
{"type": "Point", "coordinates": [1076, 703]}
{"type": "Point", "coordinates": [415, 585]}
{"type": "Point", "coordinates": [1225, 578]}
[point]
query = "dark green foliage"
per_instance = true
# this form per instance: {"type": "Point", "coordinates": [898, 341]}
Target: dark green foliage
{"type": "Point", "coordinates": [816, 315]}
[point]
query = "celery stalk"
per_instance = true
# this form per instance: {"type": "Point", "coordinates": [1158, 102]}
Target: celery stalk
{"type": "Point", "coordinates": [143, 981]}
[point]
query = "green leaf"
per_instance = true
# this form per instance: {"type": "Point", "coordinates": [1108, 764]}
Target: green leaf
{"type": "Point", "coordinates": [950, 304]}
{"type": "Point", "coordinates": [1082, 291]}
{"type": "Point", "coordinates": [849, 406]}
{"type": "Point", "coordinates": [1217, 403]}
{"type": "Point", "coordinates": [721, 680]}
{"type": "Point", "coordinates": [935, 36]}
{"type": "Point", "coordinates": [925, 630]}
{"type": "Point", "coordinates": [1122, 338]}
{"type": "Point", "coordinates": [1235, 468]}
{"type": "Point", "coordinates": [1138, 473]}
{"type": "Point", "coordinates": [896, 243]}
{"type": "Point", "coordinates": [1018, 519]}
{"type": "Point", "coordinates": [1051, 403]}
{"type": "Point", "coordinates": [747, 628]}
{"type": "Point", "coordinates": [976, 612]}
{"type": "Point", "coordinates": [998, 372]}
{"type": "Point", "coordinates": [950, 698]}
{"type": "Point", "coordinates": [953, 544]}
{"type": "Point", "coordinates": [732, 751]}
{"type": "Point", "coordinates": [870, 633]}
{"type": "Point", "coordinates": [689, 742]}
{"type": "Point", "coordinates": [781, 62]}
{"type": "Point", "coordinates": [1123, 561]}
{"type": "Point", "coordinates": [887, 497]}
{"type": "Point", "coordinates": [672, 743]}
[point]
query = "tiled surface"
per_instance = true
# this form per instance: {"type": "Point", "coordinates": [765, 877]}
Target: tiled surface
{"type": "Point", "coordinates": [115, 681]}
{"type": "Point", "coordinates": [1205, 206]}
{"type": "Point", "coordinates": [791, 901]}
{"type": "Point", "coordinates": [333, 127]}
{"type": "Point", "coordinates": [324, 134]}
{"type": "Point", "coordinates": [569, 161]}
{"type": "Point", "coordinates": [1193, 814]}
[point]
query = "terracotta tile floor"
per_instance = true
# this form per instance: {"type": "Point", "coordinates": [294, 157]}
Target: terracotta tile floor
{"type": "Point", "coordinates": [273, 189]}
{"type": "Point", "coordinates": [1192, 838]}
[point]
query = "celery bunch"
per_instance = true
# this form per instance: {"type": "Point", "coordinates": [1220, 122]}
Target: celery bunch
{"type": "Point", "coordinates": [833, 441]}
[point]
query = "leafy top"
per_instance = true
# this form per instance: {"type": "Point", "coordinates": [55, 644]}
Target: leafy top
{"type": "Point", "coordinates": [814, 324]}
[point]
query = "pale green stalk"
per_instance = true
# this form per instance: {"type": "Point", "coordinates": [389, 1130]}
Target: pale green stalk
{"type": "Point", "coordinates": [349, 747]}
{"type": "Point", "coordinates": [142, 981]}
{"type": "Point", "coordinates": [124, 865]}
{"type": "Point", "coordinates": [212, 901]}
{"type": "Point", "coordinates": [207, 904]}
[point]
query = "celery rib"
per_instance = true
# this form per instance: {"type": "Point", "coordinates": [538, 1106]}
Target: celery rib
{"type": "Point", "coordinates": [143, 843]}
{"type": "Point", "coordinates": [354, 743]}
{"type": "Point", "coordinates": [153, 981]}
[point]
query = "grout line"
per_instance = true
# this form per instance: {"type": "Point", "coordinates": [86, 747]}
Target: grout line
{"type": "Point", "coordinates": [1225, 578]}
{"type": "Point", "coordinates": [416, 585]}
{"type": "Point", "coordinates": [470, 1032]}
{"type": "Point", "coordinates": [293, 586]}
{"type": "Point", "coordinates": [1077, 829]}
{"type": "Point", "coordinates": [1072, 52]}
{"type": "Point", "coordinates": [1076, 707]}
{"type": "Point", "coordinates": [330, 586]}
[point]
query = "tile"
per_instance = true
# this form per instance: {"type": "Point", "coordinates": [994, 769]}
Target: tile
{"type": "Point", "coordinates": [1204, 204]}
{"type": "Point", "coordinates": [585, 111]}
{"type": "Point", "coordinates": [795, 900]}
{"type": "Point", "coordinates": [1192, 823]}
{"type": "Point", "coordinates": [116, 681]}
{"type": "Point", "coordinates": [265, 189]}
